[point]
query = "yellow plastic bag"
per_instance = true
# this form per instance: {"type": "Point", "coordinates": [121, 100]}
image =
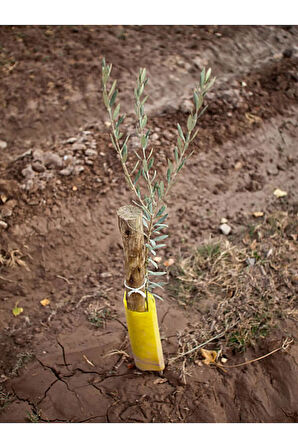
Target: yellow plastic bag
{"type": "Point", "coordinates": [144, 337]}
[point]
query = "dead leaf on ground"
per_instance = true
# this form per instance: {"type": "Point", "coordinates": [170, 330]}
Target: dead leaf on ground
{"type": "Point", "coordinates": [278, 193]}
{"type": "Point", "coordinates": [16, 311]}
{"type": "Point", "coordinates": [157, 259]}
{"type": "Point", "coordinates": [258, 214]}
{"type": "Point", "coordinates": [160, 381]}
{"type": "Point", "coordinates": [45, 302]}
{"type": "Point", "coordinates": [169, 262]}
{"type": "Point", "coordinates": [209, 356]}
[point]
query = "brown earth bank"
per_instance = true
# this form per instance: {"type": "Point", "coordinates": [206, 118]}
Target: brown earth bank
{"type": "Point", "coordinates": [61, 185]}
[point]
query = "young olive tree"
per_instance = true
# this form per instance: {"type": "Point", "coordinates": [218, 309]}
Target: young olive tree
{"type": "Point", "coordinates": [151, 194]}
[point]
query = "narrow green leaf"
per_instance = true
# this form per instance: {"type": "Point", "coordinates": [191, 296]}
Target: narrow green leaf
{"type": "Point", "coordinates": [158, 297]}
{"type": "Point", "coordinates": [150, 248]}
{"type": "Point", "coordinates": [138, 191]}
{"type": "Point", "coordinates": [161, 186]}
{"type": "Point", "coordinates": [160, 211]}
{"type": "Point", "coordinates": [162, 219]}
{"type": "Point", "coordinates": [158, 246]}
{"type": "Point", "coordinates": [161, 226]}
{"type": "Point", "coordinates": [169, 175]}
{"type": "Point", "coordinates": [143, 75]}
{"type": "Point", "coordinates": [116, 111]}
{"type": "Point", "coordinates": [150, 164]}
{"type": "Point", "coordinates": [153, 243]}
{"type": "Point", "coordinates": [202, 78]}
{"type": "Point", "coordinates": [196, 100]}
{"type": "Point", "coordinates": [105, 99]}
{"type": "Point", "coordinates": [160, 238]}
{"type": "Point", "coordinates": [112, 88]}
{"type": "Point", "coordinates": [202, 111]}
{"type": "Point", "coordinates": [137, 176]}
{"type": "Point", "coordinates": [156, 285]}
{"type": "Point", "coordinates": [176, 154]}
{"type": "Point", "coordinates": [144, 100]}
{"type": "Point", "coordinates": [145, 223]}
{"type": "Point", "coordinates": [180, 132]}
{"type": "Point", "coordinates": [190, 123]}
{"type": "Point", "coordinates": [124, 153]}
{"type": "Point", "coordinates": [153, 262]}
{"type": "Point", "coordinates": [181, 165]}
{"type": "Point", "coordinates": [157, 273]}
{"type": "Point", "coordinates": [113, 98]}
{"type": "Point", "coordinates": [120, 120]}
{"type": "Point", "coordinates": [144, 142]}
{"type": "Point", "coordinates": [208, 74]}
{"type": "Point", "coordinates": [143, 122]}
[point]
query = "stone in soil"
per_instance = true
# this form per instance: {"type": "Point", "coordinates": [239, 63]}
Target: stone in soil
{"type": "Point", "coordinates": [52, 160]}
{"type": "Point", "coordinates": [225, 229]}
{"type": "Point", "coordinates": [3, 225]}
{"type": "Point", "coordinates": [3, 144]}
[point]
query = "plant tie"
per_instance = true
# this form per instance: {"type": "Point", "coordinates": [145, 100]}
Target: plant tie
{"type": "Point", "coordinates": [136, 290]}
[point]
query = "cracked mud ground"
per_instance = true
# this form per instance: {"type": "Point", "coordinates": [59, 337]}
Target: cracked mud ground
{"type": "Point", "coordinates": [64, 362]}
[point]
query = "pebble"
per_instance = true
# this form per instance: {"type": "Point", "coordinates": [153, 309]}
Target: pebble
{"type": "Point", "coordinates": [3, 144]}
{"type": "Point", "coordinates": [91, 153]}
{"type": "Point", "coordinates": [52, 160]}
{"type": "Point", "coordinates": [88, 162]}
{"type": "Point", "coordinates": [66, 171]}
{"type": "Point", "coordinates": [71, 140]}
{"type": "Point", "coordinates": [6, 210]}
{"type": "Point", "coordinates": [78, 147]}
{"type": "Point", "coordinates": [3, 224]}
{"type": "Point", "coordinates": [38, 166]}
{"type": "Point", "coordinates": [28, 172]}
{"type": "Point", "coordinates": [251, 261]}
{"type": "Point", "coordinates": [225, 229]}
{"type": "Point", "coordinates": [78, 169]}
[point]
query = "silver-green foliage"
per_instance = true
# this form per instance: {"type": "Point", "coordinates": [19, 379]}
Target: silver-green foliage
{"type": "Point", "coordinates": [151, 197]}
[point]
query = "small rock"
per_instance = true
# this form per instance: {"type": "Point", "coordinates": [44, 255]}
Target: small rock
{"type": "Point", "coordinates": [223, 221]}
{"type": "Point", "coordinates": [6, 210]}
{"type": "Point", "coordinates": [28, 172]}
{"type": "Point", "coordinates": [38, 166]}
{"type": "Point", "coordinates": [3, 225]}
{"type": "Point", "coordinates": [71, 140]}
{"type": "Point", "coordinates": [225, 229]}
{"type": "Point", "coordinates": [78, 169]}
{"type": "Point", "coordinates": [251, 261]}
{"type": "Point", "coordinates": [89, 162]}
{"type": "Point", "coordinates": [52, 160]}
{"type": "Point", "coordinates": [105, 275]}
{"type": "Point", "coordinates": [66, 171]}
{"type": "Point", "coordinates": [78, 147]}
{"type": "Point", "coordinates": [3, 144]}
{"type": "Point", "coordinates": [38, 155]}
{"type": "Point", "coordinates": [91, 153]}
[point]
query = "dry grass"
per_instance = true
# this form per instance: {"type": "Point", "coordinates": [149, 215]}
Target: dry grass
{"type": "Point", "coordinates": [241, 289]}
{"type": "Point", "coordinates": [99, 313]}
{"type": "Point", "coordinates": [12, 259]}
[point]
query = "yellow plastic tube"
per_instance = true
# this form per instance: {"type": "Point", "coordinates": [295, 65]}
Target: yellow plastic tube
{"type": "Point", "coordinates": [144, 337]}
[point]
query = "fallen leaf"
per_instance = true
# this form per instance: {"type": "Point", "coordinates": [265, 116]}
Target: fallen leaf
{"type": "Point", "coordinates": [157, 259]}
{"type": "Point", "coordinates": [253, 245]}
{"type": "Point", "coordinates": [16, 311]}
{"type": "Point", "coordinates": [209, 356]}
{"type": "Point", "coordinates": [45, 302]}
{"type": "Point", "coordinates": [252, 118]}
{"type": "Point", "coordinates": [223, 360]}
{"type": "Point", "coordinates": [279, 193]}
{"type": "Point", "coordinates": [258, 214]}
{"type": "Point", "coordinates": [169, 262]}
{"type": "Point", "coordinates": [160, 380]}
